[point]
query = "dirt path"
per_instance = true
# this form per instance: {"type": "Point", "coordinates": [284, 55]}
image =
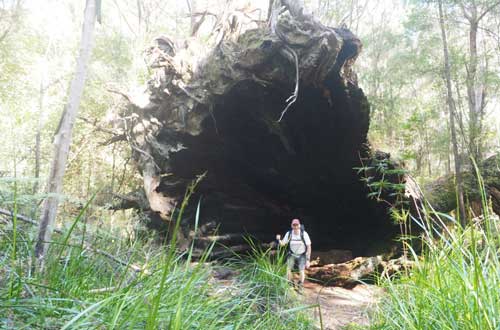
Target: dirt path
{"type": "Point", "coordinates": [341, 307]}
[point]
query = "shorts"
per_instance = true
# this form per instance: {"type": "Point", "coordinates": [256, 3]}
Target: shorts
{"type": "Point", "coordinates": [301, 261]}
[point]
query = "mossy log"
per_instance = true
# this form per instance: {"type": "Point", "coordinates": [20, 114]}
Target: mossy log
{"type": "Point", "coordinates": [442, 193]}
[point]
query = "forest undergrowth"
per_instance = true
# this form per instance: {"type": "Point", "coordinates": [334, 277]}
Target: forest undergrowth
{"type": "Point", "coordinates": [94, 278]}
{"type": "Point", "coordinates": [456, 278]}
{"type": "Point", "coordinates": [97, 278]}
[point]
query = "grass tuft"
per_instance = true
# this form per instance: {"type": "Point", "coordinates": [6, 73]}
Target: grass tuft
{"type": "Point", "coordinates": [142, 285]}
{"type": "Point", "coordinates": [455, 284]}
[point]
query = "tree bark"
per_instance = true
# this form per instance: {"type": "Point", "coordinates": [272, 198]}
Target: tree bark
{"type": "Point", "coordinates": [476, 90]}
{"type": "Point", "coordinates": [473, 92]}
{"type": "Point", "coordinates": [451, 112]}
{"type": "Point", "coordinates": [62, 139]}
{"type": "Point", "coordinates": [38, 137]}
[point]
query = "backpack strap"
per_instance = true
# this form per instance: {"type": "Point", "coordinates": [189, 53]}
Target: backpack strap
{"type": "Point", "coordinates": [289, 233]}
{"type": "Point", "coordinates": [301, 237]}
{"type": "Point", "coordinates": [303, 240]}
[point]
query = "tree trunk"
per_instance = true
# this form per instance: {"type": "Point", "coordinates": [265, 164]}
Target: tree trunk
{"type": "Point", "coordinates": [62, 139]}
{"type": "Point", "coordinates": [38, 137]}
{"type": "Point", "coordinates": [476, 90]}
{"type": "Point", "coordinates": [473, 92]}
{"type": "Point", "coordinates": [451, 112]}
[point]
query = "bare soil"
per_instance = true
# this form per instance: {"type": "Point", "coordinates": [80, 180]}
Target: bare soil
{"type": "Point", "coordinates": [341, 308]}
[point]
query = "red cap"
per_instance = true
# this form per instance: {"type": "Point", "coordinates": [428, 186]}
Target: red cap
{"type": "Point", "coordinates": [295, 221]}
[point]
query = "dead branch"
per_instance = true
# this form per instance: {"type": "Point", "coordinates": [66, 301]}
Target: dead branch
{"type": "Point", "coordinates": [25, 219]}
{"type": "Point", "coordinates": [196, 26]}
{"type": "Point", "coordinates": [99, 127]}
{"type": "Point", "coordinates": [126, 96]}
{"type": "Point", "coordinates": [113, 139]}
{"type": "Point", "coordinates": [117, 135]}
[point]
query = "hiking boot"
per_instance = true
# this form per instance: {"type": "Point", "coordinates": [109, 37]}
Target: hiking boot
{"type": "Point", "coordinates": [300, 287]}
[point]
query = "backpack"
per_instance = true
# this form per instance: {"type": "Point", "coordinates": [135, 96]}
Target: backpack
{"type": "Point", "coordinates": [301, 237]}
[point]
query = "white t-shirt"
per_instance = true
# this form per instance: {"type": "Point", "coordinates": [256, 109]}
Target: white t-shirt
{"type": "Point", "coordinates": [296, 245]}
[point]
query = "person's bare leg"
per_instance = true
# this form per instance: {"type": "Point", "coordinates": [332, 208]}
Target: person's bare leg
{"type": "Point", "coordinates": [302, 276]}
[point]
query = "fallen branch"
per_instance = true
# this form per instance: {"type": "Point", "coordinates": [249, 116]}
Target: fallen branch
{"type": "Point", "coordinates": [24, 219]}
{"type": "Point", "coordinates": [358, 270]}
{"type": "Point", "coordinates": [87, 245]}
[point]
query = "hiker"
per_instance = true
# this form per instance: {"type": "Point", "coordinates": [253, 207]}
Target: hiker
{"type": "Point", "coordinates": [299, 249]}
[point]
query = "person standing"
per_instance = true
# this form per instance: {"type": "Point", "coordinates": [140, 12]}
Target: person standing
{"type": "Point", "coordinates": [299, 249]}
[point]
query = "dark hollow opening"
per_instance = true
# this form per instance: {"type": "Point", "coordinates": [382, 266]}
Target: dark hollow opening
{"type": "Point", "coordinates": [261, 173]}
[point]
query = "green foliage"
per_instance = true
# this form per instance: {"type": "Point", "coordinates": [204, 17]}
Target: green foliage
{"type": "Point", "coordinates": [385, 181]}
{"type": "Point", "coordinates": [454, 284]}
{"type": "Point", "coordinates": [141, 286]}
{"type": "Point", "coordinates": [264, 274]}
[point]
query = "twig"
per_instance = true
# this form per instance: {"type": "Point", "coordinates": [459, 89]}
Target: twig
{"type": "Point", "coordinates": [127, 97]}
{"type": "Point", "coordinates": [99, 127]}
{"type": "Point", "coordinates": [117, 135]}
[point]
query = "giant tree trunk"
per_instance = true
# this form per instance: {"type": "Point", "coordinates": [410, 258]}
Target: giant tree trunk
{"type": "Point", "coordinates": [62, 138]}
{"type": "Point", "coordinates": [220, 114]}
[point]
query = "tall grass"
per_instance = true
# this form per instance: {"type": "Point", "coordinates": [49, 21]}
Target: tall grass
{"type": "Point", "coordinates": [142, 286]}
{"type": "Point", "coordinates": [455, 283]}
{"type": "Point", "coordinates": [263, 273]}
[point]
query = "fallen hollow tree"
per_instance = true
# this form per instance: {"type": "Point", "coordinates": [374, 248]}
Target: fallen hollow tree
{"type": "Point", "coordinates": [275, 119]}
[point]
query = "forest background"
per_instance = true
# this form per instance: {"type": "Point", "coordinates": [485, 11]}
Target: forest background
{"type": "Point", "coordinates": [401, 70]}
{"type": "Point", "coordinates": [434, 105]}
